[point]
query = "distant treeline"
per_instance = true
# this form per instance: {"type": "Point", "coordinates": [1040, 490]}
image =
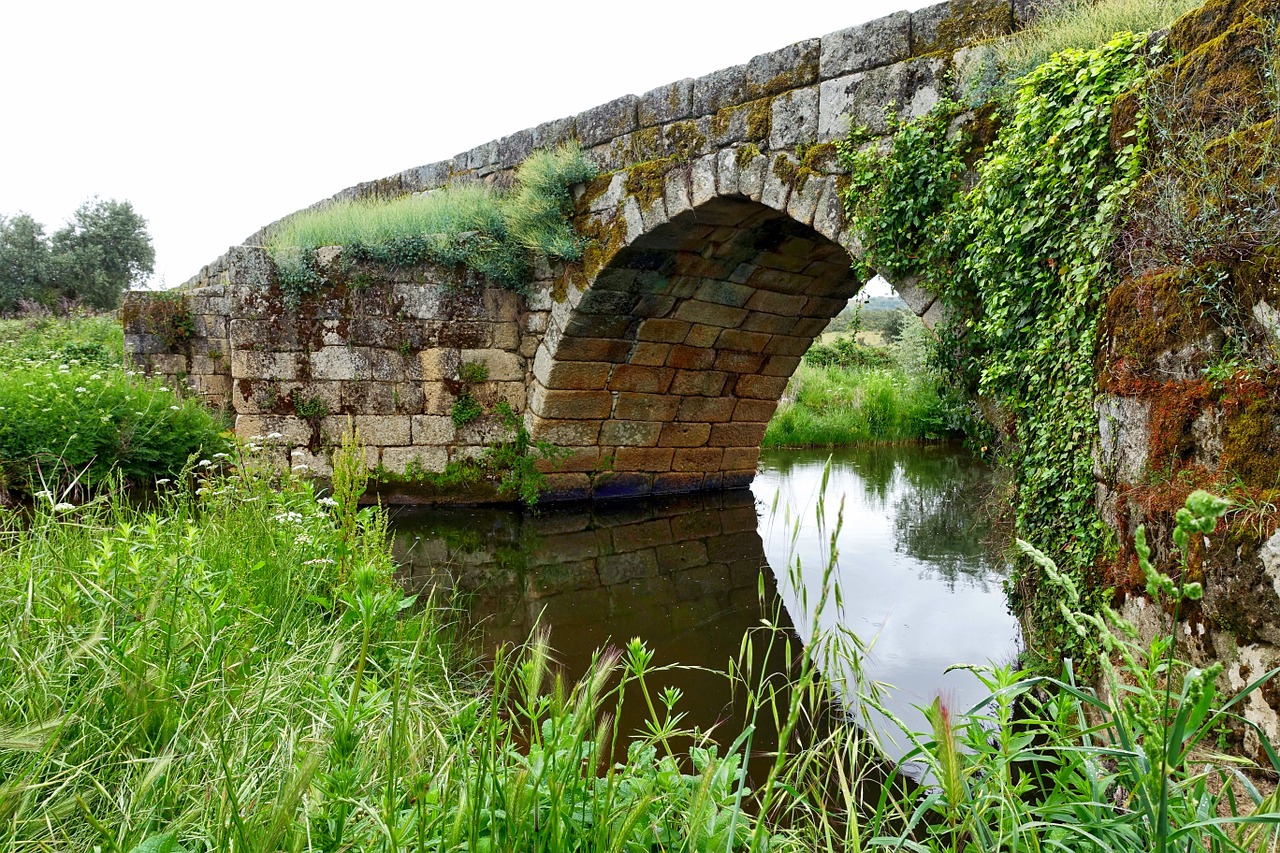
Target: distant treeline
{"type": "Point", "coordinates": [92, 259]}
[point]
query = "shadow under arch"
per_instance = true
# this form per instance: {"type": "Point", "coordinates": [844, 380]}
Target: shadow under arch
{"type": "Point", "coordinates": [661, 374]}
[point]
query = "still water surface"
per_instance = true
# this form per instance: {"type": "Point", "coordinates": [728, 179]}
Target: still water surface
{"type": "Point", "coordinates": [686, 573]}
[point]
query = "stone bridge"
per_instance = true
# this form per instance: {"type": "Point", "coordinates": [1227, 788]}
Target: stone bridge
{"type": "Point", "coordinates": [718, 252]}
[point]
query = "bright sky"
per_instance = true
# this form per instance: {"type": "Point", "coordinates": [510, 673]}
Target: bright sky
{"type": "Point", "coordinates": [214, 119]}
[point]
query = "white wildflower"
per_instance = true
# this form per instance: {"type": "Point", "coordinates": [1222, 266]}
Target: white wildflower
{"type": "Point", "coordinates": [63, 507]}
{"type": "Point", "coordinates": [326, 501]}
{"type": "Point", "coordinates": [80, 389]}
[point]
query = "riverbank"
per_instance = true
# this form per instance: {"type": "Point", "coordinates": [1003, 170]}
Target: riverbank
{"type": "Point", "coordinates": [846, 393]}
{"type": "Point", "coordinates": [236, 668]}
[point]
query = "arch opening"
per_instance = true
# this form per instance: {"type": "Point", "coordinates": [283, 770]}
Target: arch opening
{"type": "Point", "coordinates": [661, 375]}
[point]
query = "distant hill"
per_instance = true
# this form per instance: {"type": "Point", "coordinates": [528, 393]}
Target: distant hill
{"type": "Point", "coordinates": [885, 303]}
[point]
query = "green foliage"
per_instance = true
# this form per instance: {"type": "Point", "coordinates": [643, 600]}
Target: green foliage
{"type": "Point", "coordinates": [473, 372]}
{"type": "Point", "coordinates": [537, 211]}
{"type": "Point", "coordinates": [1066, 25]}
{"type": "Point", "coordinates": [889, 323]}
{"type": "Point", "coordinates": [93, 259]}
{"type": "Point", "coordinates": [310, 408]}
{"type": "Point", "coordinates": [511, 463]}
{"type": "Point", "coordinates": [847, 353]}
{"type": "Point", "coordinates": [1022, 259]}
{"type": "Point", "coordinates": [897, 204]}
{"type": "Point", "coordinates": [166, 315]}
{"type": "Point", "coordinates": [102, 251]}
{"type": "Point", "coordinates": [476, 225]}
{"type": "Point", "coordinates": [91, 338]}
{"type": "Point", "coordinates": [515, 461]}
{"type": "Point", "coordinates": [465, 409]}
{"type": "Point", "coordinates": [24, 261]}
{"type": "Point", "coordinates": [73, 422]}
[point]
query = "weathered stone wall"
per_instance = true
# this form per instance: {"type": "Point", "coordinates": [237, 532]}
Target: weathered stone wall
{"type": "Point", "coordinates": [384, 350]}
{"type": "Point", "coordinates": [183, 336]}
{"type": "Point", "coordinates": [1190, 370]}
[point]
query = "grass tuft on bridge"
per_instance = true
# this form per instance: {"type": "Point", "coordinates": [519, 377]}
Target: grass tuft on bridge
{"type": "Point", "coordinates": [492, 231]}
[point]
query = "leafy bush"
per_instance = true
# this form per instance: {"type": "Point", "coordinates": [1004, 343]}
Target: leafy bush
{"type": "Point", "coordinates": [64, 423]}
{"type": "Point", "coordinates": [472, 224]}
{"type": "Point", "coordinates": [847, 353]}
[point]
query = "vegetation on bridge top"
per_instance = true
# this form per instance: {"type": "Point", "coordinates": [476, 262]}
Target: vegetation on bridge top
{"type": "Point", "coordinates": [494, 232]}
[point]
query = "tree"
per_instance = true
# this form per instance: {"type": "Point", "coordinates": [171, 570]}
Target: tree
{"type": "Point", "coordinates": [24, 261]}
{"type": "Point", "coordinates": [100, 252]}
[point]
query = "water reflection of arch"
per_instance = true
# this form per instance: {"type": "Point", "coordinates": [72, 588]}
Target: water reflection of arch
{"type": "Point", "coordinates": [684, 573]}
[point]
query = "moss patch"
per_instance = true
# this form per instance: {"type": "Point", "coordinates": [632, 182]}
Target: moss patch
{"type": "Point", "coordinates": [756, 115]}
{"type": "Point", "coordinates": [1214, 17]}
{"type": "Point", "coordinates": [969, 21]}
{"type": "Point", "coordinates": [645, 181]}
{"type": "Point", "coordinates": [1221, 80]}
{"type": "Point", "coordinates": [745, 154]}
{"type": "Point", "coordinates": [1251, 434]}
{"type": "Point", "coordinates": [1145, 318]}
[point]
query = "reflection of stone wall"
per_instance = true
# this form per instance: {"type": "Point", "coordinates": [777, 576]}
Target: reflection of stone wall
{"type": "Point", "coordinates": [665, 570]}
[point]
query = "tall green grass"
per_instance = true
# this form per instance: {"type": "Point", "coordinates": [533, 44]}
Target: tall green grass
{"type": "Point", "coordinates": [478, 225]}
{"type": "Point", "coordinates": [836, 407]}
{"type": "Point", "coordinates": [96, 338]}
{"type": "Point", "coordinates": [235, 669]}
{"type": "Point", "coordinates": [1083, 25]}
{"type": "Point", "coordinates": [1062, 25]}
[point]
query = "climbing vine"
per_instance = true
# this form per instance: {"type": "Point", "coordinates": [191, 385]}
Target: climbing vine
{"type": "Point", "coordinates": [1022, 260]}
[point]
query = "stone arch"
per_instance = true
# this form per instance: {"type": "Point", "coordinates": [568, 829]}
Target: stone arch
{"type": "Point", "coordinates": [661, 373]}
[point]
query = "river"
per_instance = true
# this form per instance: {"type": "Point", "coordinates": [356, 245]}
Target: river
{"type": "Point", "coordinates": [691, 574]}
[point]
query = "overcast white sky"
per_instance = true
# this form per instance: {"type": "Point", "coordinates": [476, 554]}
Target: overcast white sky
{"type": "Point", "coordinates": [216, 118]}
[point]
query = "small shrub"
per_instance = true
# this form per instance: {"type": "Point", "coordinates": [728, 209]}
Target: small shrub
{"type": "Point", "coordinates": [167, 316]}
{"type": "Point", "coordinates": [308, 408]}
{"type": "Point", "coordinates": [465, 410]}
{"type": "Point", "coordinates": [62, 423]}
{"type": "Point", "coordinates": [847, 353]}
{"type": "Point", "coordinates": [473, 372]}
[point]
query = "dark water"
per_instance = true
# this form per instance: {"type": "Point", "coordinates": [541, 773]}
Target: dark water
{"type": "Point", "coordinates": [687, 574]}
